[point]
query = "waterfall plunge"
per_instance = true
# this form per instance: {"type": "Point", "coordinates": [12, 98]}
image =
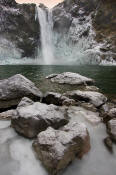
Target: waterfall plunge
{"type": "Point", "coordinates": [46, 26]}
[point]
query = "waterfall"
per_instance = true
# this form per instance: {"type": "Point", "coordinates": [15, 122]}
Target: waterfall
{"type": "Point", "coordinates": [46, 25]}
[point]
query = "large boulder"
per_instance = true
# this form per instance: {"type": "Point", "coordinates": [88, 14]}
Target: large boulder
{"type": "Point", "coordinates": [13, 89]}
{"type": "Point", "coordinates": [111, 128]}
{"type": "Point", "coordinates": [70, 78]}
{"type": "Point", "coordinates": [57, 148]}
{"type": "Point", "coordinates": [96, 98]}
{"type": "Point", "coordinates": [31, 118]}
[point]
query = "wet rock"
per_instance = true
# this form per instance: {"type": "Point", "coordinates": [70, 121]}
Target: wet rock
{"type": "Point", "coordinates": [108, 143]}
{"type": "Point", "coordinates": [13, 89]}
{"type": "Point", "coordinates": [57, 99]}
{"type": "Point", "coordinates": [88, 106]}
{"type": "Point", "coordinates": [57, 148]}
{"type": "Point", "coordinates": [30, 119]}
{"type": "Point", "coordinates": [7, 114]}
{"type": "Point", "coordinates": [111, 129]}
{"type": "Point", "coordinates": [92, 88]}
{"type": "Point", "coordinates": [112, 113]}
{"type": "Point", "coordinates": [25, 102]}
{"type": "Point", "coordinates": [108, 115]}
{"type": "Point", "coordinates": [70, 78]}
{"type": "Point", "coordinates": [80, 113]}
{"type": "Point", "coordinates": [51, 76]}
{"type": "Point", "coordinates": [105, 108]}
{"type": "Point", "coordinates": [96, 98]}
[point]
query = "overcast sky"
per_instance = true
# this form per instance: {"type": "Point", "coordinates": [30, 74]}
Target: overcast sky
{"type": "Point", "coordinates": [48, 3]}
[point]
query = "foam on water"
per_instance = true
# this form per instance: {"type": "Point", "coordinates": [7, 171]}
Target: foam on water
{"type": "Point", "coordinates": [16, 154]}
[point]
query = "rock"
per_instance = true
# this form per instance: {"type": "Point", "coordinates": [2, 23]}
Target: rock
{"type": "Point", "coordinates": [30, 119]}
{"type": "Point", "coordinates": [108, 115]}
{"type": "Point", "coordinates": [112, 113]}
{"type": "Point", "coordinates": [57, 99]}
{"type": "Point", "coordinates": [57, 148]}
{"type": "Point", "coordinates": [92, 88]}
{"type": "Point", "coordinates": [88, 106]}
{"type": "Point", "coordinates": [111, 129]}
{"type": "Point", "coordinates": [51, 76]}
{"type": "Point", "coordinates": [81, 114]}
{"type": "Point", "coordinates": [108, 143]}
{"type": "Point", "coordinates": [105, 108]}
{"type": "Point", "coordinates": [13, 89]}
{"type": "Point", "coordinates": [70, 78]}
{"type": "Point", "coordinates": [7, 114]}
{"type": "Point", "coordinates": [96, 98]}
{"type": "Point", "coordinates": [25, 102]}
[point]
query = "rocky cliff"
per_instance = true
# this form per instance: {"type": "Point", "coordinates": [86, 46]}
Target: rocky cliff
{"type": "Point", "coordinates": [18, 26]}
{"type": "Point", "coordinates": [95, 19]}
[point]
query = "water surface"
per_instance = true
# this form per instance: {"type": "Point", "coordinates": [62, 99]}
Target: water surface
{"type": "Point", "coordinates": [105, 76]}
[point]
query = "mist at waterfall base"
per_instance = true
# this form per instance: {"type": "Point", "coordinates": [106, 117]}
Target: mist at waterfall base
{"type": "Point", "coordinates": [56, 48]}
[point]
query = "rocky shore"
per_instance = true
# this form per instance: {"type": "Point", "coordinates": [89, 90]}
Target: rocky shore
{"type": "Point", "coordinates": [47, 119]}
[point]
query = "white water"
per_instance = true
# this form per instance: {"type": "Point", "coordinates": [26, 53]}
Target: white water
{"type": "Point", "coordinates": [46, 25]}
{"type": "Point", "coordinates": [17, 156]}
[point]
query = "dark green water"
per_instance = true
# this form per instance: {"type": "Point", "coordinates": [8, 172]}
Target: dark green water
{"type": "Point", "coordinates": [105, 76]}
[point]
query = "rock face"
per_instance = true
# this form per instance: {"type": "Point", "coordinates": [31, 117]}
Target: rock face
{"type": "Point", "coordinates": [111, 128]}
{"type": "Point", "coordinates": [70, 78]}
{"type": "Point", "coordinates": [89, 18]}
{"type": "Point", "coordinates": [62, 19]}
{"type": "Point", "coordinates": [105, 24]}
{"type": "Point", "coordinates": [57, 148]}
{"type": "Point", "coordinates": [31, 118]}
{"type": "Point", "coordinates": [96, 98]}
{"type": "Point", "coordinates": [13, 89]}
{"type": "Point", "coordinates": [18, 26]}
{"type": "Point", "coordinates": [64, 12]}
